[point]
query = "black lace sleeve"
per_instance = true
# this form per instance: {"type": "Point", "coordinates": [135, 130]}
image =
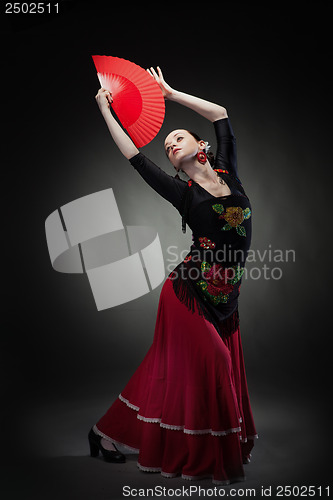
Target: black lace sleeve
{"type": "Point", "coordinates": [168, 187]}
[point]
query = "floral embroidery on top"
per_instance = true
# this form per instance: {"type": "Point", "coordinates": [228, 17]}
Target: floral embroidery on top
{"type": "Point", "coordinates": [188, 258]}
{"type": "Point", "coordinates": [218, 281]}
{"type": "Point", "coordinates": [234, 216]}
{"type": "Point", "coordinates": [206, 243]}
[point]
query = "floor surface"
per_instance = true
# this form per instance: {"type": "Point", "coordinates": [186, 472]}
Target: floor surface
{"type": "Point", "coordinates": [291, 450]}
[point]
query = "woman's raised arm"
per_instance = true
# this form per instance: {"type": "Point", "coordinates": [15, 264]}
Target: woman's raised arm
{"type": "Point", "coordinates": [204, 108]}
{"type": "Point", "coordinates": [123, 141]}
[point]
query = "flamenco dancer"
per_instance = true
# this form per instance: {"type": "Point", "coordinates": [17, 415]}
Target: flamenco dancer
{"type": "Point", "coordinates": [186, 409]}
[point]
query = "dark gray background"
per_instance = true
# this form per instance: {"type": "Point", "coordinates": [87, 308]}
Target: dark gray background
{"type": "Point", "coordinates": [65, 362]}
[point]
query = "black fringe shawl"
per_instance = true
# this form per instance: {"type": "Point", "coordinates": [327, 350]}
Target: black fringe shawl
{"type": "Point", "coordinates": [189, 294]}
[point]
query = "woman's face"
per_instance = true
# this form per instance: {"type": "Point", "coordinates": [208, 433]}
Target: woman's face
{"type": "Point", "coordinates": [181, 147]}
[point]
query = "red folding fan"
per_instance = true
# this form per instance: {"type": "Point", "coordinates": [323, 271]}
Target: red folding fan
{"type": "Point", "coordinates": [137, 98]}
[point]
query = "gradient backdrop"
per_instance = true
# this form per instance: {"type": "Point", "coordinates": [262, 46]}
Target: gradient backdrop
{"type": "Point", "coordinates": [270, 68]}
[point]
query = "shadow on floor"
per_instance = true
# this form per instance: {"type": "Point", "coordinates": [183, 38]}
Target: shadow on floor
{"type": "Point", "coordinates": [291, 450]}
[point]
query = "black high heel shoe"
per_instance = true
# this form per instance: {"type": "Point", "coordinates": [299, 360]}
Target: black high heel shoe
{"type": "Point", "coordinates": [96, 447]}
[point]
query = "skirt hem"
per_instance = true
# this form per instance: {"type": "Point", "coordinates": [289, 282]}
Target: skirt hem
{"type": "Point", "coordinates": [169, 475]}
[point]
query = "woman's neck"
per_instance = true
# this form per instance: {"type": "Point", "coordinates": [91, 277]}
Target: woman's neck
{"type": "Point", "coordinates": [202, 174]}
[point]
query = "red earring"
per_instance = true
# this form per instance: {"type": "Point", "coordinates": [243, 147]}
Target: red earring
{"type": "Point", "coordinates": [201, 157]}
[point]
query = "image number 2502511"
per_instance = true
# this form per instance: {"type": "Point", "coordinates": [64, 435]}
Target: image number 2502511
{"type": "Point", "coordinates": [31, 8]}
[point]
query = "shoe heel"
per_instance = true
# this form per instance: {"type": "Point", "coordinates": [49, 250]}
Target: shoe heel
{"type": "Point", "coordinates": [94, 450]}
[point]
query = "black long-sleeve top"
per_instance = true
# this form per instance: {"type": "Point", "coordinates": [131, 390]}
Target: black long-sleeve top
{"type": "Point", "coordinates": [210, 275]}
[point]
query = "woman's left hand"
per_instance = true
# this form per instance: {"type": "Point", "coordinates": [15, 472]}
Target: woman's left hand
{"type": "Point", "coordinates": [166, 89]}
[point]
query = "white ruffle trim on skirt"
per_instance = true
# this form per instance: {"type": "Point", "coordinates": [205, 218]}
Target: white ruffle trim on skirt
{"type": "Point", "coordinates": [152, 420]}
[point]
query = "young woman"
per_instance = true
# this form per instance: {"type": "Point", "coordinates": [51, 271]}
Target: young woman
{"type": "Point", "coordinates": [186, 409]}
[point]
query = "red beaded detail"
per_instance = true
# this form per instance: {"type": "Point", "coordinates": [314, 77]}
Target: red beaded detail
{"type": "Point", "coordinates": [206, 243]}
{"type": "Point", "coordinates": [221, 171]}
{"type": "Point", "coordinates": [189, 183]}
{"type": "Point", "coordinates": [218, 282]}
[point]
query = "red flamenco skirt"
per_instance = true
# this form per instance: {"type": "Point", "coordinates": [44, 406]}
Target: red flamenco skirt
{"type": "Point", "coordinates": [186, 409]}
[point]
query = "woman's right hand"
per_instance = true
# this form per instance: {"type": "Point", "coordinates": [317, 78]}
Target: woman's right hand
{"type": "Point", "coordinates": [103, 99]}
